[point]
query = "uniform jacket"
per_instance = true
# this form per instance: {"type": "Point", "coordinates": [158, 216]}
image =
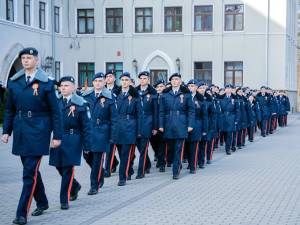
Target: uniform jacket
{"type": "Point", "coordinates": [265, 105]}
{"type": "Point", "coordinates": [231, 113]}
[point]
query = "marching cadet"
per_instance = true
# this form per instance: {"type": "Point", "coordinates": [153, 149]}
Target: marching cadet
{"type": "Point", "coordinates": [127, 115]}
{"type": "Point", "coordinates": [148, 119]}
{"type": "Point", "coordinates": [212, 126]}
{"type": "Point", "coordinates": [31, 113]}
{"type": "Point", "coordinates": [176, 119]}
{"type": "Point", "coordinates": [283, 108]}
{"type": "Point", "coordinates": [157, 141]}
{"type": "Point", "coordinates": [102, 108]}
{"type": "Point", "coordinates": [76, 138]}
{"type": "Point", "coordinates": [216, 97]}
{"type": "Point", "coordinates": [274, 111]}
{"type": "Point", "coordinates": [111, 161]}
{"type": "Point", "coordinates": [231, 114]}
{"type": "Point", "coordinates": [255, 114]}
{"type": "Point", "coordinates": [199, 128]}
{"type": "Point", "coordinates": [265, 103]}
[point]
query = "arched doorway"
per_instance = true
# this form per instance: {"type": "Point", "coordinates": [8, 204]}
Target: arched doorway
{"type": "Point", "coordinates": [16, 66]}
{"type": "Point", "coordinates": [160, 66]}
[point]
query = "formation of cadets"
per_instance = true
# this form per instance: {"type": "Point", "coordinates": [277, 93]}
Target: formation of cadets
{"type": "Point", "coordinates": [182, 123]}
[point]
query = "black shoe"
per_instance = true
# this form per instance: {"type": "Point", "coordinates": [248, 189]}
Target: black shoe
{"type": "Point", "coordinates": [64, 206]}
{"type": "Point", "coordinates": [251, 140]}
{"type": "Point", "coordinates": [233, 149]}
{"type": "Point", "coordinates": [155, 159]}
{"type": "Point", "coordinates": [169, 165]}
{"type": "Point", "coordinates": [184, 161]}
{"type": "Point", "coordinates": [101, 183]}
{"type": "Point", "coordinates": [93, 191]}
{"type": "Point", "coordinates": [122, 183]}
{"type": "Point", "coordinates": [221, 144]}
{"type": "Point", "coordinates": [20, 220]}
{"type": "Point", "coordinates": [39, 210]}
{"type": "Point", "coordinates": [157, 165]}
{"type": "Point", "coordinates": [114, 169]}
{"type": "Point", "coordinates": [175, 177]}
{"type": "Point", "coordinates": [74, 196]}
{"type": "Point", "coordinates": [162, 169]}
{"type": "Point", "coordinates": [201, 166]}
{"type": "Point", "coordinates": [192, 171]}
{"type": "Point", "coordinates": [208, 162]}
{"type": "Point", "coordinates": [107, 174]}
{"type": "Point", "coordinates": [239, 147]}
{"type": "Point", "coordinates": [129, 177]}
{"type": "Point", "coordinates": [188, 167]}
{"type": "Point", "coordinates": [140, 176]}
{"type": "Point", "coordinates": [147, 171]}
{"type": "Point", "coordinates": [228, 152]}
{"type": "Point", "coordinates": [263, 135]}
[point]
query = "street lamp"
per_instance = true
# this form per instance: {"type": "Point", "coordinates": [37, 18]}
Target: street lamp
{"type": "Point", "coordinates": [178, 64]}
{"type": "Point", "coordinates": [48, 63]}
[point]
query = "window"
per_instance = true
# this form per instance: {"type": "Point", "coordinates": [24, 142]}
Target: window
{"type": "Point", "coordinates": [203, 18]}
{"type": "Point", "coordinates": [86, 72]}
{"type": "Point", "coordinates": [158, 75]}
{"type": "Point", "coordinates": [173, 19]}
{"type": "Point", "coordinates": [234, 17]}
{"type": "Point", "coordinates": [114, 20]}
{"type": "Point", "coordinates": [233, 73]}
{"type": "Point", "coordinates": [117, 67]}
{"type": "Point", "coordinates": [42, 15]}
{"type": "Point", "coordinates": [85, 21]}
{"type": "Point", "coordinates": [57, 70]}
{"type": "Point", "coordinates": [27, 12]}
{"type": "Point", "coordinates": [203, 72]}
{"type": "Point", "coordinates": [10, 10]}
{"type": "Point", "coordinates": [56, 20]}
{"type": "Point", "coordinates": [143, 20]}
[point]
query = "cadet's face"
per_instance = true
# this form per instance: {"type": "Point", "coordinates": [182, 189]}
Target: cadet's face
{"type": "Point", "coordinates": [192, 88]}
{"type": "Point", "coordinates": [144, 80]}
{"type": "Point", "coordinates": [29, 61]}
{"type": "Point", "coordinates": [228, 91]}
{"type": "Point", "coordinates": [240, 92]}
{"type": "Point", "coordinates": [125, 82]}
{"type": "Point", "coordinates": [66, 88]}
{"type": "Point", "coordinates": [251, 98]}
{"type": "Point", "coordinates": [110, 79]}
{"type": "Point", "coordinates": [263, 91]}
{"type": "Point", "coordinates": [160, 88]}
{"type": "Point", "coordinates": [175, 82]}
{"type": "Point", "coordinates": [201, 90]}
{"type": "Point", "coordinates": [99, 83]}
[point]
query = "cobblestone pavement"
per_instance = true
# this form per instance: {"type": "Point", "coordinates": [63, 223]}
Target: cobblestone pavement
{"type": "Point", "coordinates": [259, 184]}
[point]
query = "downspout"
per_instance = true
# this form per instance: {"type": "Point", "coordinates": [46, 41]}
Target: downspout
{"type": "Point", "coordinates": [267, 43]}
{"type": "Point", "coordinates": [52, 37]}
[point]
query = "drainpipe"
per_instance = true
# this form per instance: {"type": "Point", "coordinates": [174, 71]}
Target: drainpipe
{"type": "Point", "coordinates": [52, 37]}
{"type": "Point", "coordinates": [267, 43]}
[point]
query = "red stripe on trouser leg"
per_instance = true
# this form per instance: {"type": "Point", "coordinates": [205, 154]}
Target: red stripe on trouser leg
{"type": "Point", "coordinates": [70, 184]}
{"type": "Point", "coordinates": [196, 155]}
{"type": "Point", "coordinates": [145, 156]}
{"type": "Point", "coordinates": [128, 162]}
{"type": "Point", "coordinates": [100, 169]}
{"type": "Point", "coordinates": [236, 137]}
{"type": "Point", "coordinates": [112, 158]}
{"type": "Point", "coordinates": [34, 185]}
{"type": "Point", "coordinates": [205, 152]}
{"type": "Point", "coordinates": [181, 157]}
{"type": "Point", "coordinates": [212, 149]}
{"type": "Point", "coordinates": [166, 152]}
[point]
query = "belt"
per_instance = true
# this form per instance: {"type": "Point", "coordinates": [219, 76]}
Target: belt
{"type": "Point", "coordinates": [30, 114]}
{"type": "Point", "coordinates": [98, 121]}
{"type": "Point", "coordinates": [126, 117]}
{"type": "Point", "coordinates": [176, 112]}
{"type": "Point", "coordinates": [72, 131]}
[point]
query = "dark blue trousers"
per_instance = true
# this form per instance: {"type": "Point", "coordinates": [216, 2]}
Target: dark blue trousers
{"type": "Point", "coordinates": [111, 161]}
{"type": "Point", "coordinates": [202, 152]}
{"type": "Point", "coordinates": [143, 146]}
{"type": "Point", "coordinates": [32, 185]}
{"type": "Point", "coordinates": [126, 153]}
{"type": "Point", "coordinates": [192, 149]}
{"type": "Point", "coordinates": [177, 147]}
{"type": "Point", "coordinates": [95, 160]}
{"type": "Point", "coordinates": [68, 183]}
{"type": "Point", "coordinates": [229, 138]}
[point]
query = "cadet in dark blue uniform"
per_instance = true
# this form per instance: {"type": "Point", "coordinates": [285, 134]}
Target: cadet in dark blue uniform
{"type": "Point", "coordinates": [231, 114]}
{"type": "Point", "coordinates": [102, 113]}
{"type": "Point", "coordinates": [199, 129]}
{"type": "Point", "coordinates": [274, 111]}
{"type": "Point", "coordinates": [76, 138]}
{"type": "Point", "coordinates": [148, 119]}
{"type": "Point", "coordinates": [157, 141]}
{"type": "Point", "coordinates": [283, 108]}
{"type": "Point", "coordinates": [265, 103]}
{"type": "Point", "coordinates": [111, 161]}
{"type": "Point", "coordinates": [176, 119]}
{"type": "Point", "coordinates": [127, 115]}
{"type": "Point", "coordinates": [32, 113]}
{"type": "Point", "coordinates": [256, 115]}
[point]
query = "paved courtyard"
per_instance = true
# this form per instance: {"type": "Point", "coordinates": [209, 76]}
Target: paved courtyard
{"type": "Point", "coordinates": [259, 184]}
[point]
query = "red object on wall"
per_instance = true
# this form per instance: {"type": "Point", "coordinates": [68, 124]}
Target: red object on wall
{"type": "Point", "coordinates": [118, 53]}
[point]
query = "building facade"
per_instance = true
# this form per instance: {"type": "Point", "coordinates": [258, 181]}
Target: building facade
{"type": "Point", "coordinates": [242, 42]}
